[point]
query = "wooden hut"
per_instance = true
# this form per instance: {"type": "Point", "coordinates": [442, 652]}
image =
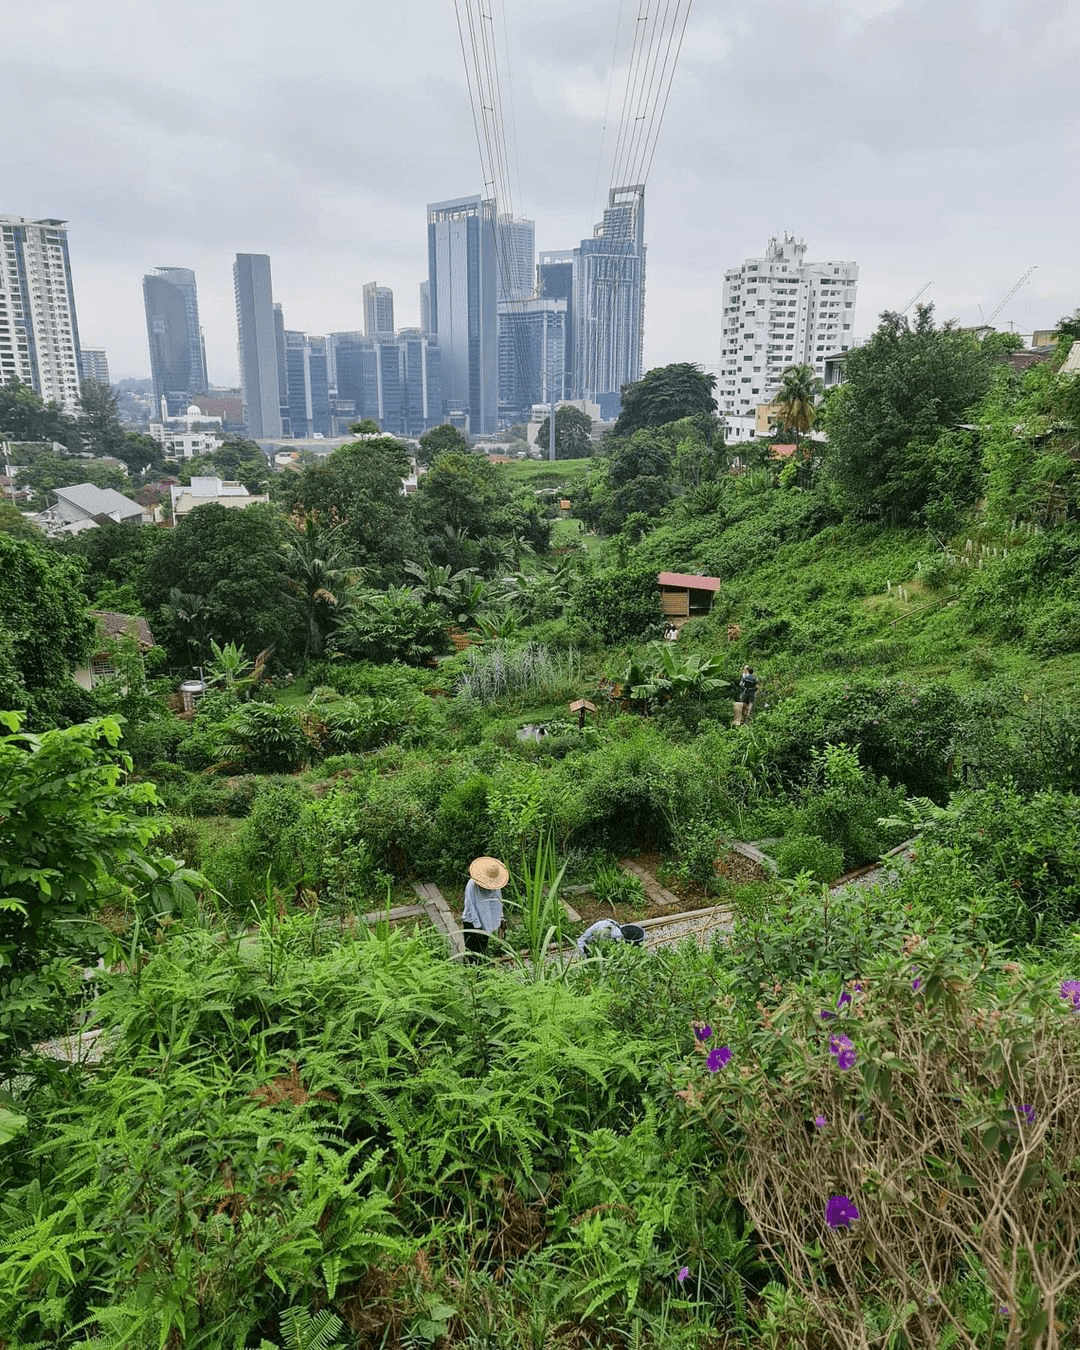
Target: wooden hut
{"type": "Point", "coordinates": [686, 597]}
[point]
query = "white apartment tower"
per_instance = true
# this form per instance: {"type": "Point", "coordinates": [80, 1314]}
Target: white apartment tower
{"type": "Point", "coordinates": [780, 311]}
{"type": "Point", "coordinates": [39, 335]}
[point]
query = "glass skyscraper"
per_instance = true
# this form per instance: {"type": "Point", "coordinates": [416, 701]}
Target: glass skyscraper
{"type": "Point", "coordinates": [463, 285]}
{"type": "Point", "coordinates": [532, 356]}
{"type": "Point", "coordinates": [378, 310]}
{"type": "Point", "coordinates": [609, 300]}
{"type": "Point", "coordinates": [258, 347]}
{"type": "Point", "coordinates": [177, 355]}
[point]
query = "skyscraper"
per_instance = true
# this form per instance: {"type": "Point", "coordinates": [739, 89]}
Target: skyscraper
{"type": "Point", "coordinates": [517, 258]}
{"type": "Point", "coordinates": [532, 355]}
{"type": "Point", "coordinates": [463, 280]}
{"type": "Point", "coordinates": [307, 385]}
{"type": "Point", "coordinates": [425, 307]}
{"type": "Point", "coordinates": [779, 311]}
{"type": "Point", "coordinates": [39, 334]}
{"type": "Point", "coordinates": [177, 355]}
{"type": "Point", "coordinates": [378, 310]}
{"type": "Point", "coordinates": [257, 345]}
{"type": "Point", "coordinates": [555, 281]}
{"type": "Point", "coordinates": [95, 365]}
{"type": "Point", "coordinates": [609, 300]}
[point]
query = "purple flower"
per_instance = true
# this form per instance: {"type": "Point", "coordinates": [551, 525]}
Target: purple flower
{"type": "Point", "coordinates": [683, 1272]}
{"type": "Point", "coordinates": [845, 997]}
{"type": "Point", "coordinates": [703, 1032]}
{"type": "Point", "coordinates": [916, 985]}
{"type": "Point", "coordinates": [844, 1050]}
{"type": "Point", "coordinates": [819, 1121]}
{"type": "Point", "coordinates": [1070, 992]}
{"type": "Point", "coordinates": [840, 1211]}
{"type": "Point", "coordinates": [826, 1014]}
{"type": "Point", "coordinates": [718, 1058]}
{"type": "Point", "coordinates": [1028, 1112]}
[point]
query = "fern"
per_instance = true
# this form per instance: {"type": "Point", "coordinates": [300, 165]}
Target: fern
{"type": "Point", "coordinates": [304, 1332]}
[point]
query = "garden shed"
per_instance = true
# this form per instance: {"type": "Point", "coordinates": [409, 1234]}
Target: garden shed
{"type": "Point", "coordinates": [686, 597]}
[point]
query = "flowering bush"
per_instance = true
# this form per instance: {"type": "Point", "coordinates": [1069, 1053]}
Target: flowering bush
{"type": "Point", "coordinates": [925, 1186]}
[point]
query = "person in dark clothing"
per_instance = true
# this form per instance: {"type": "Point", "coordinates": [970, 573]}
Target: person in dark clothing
{"type": "Point", "coordinates": [746, 693]}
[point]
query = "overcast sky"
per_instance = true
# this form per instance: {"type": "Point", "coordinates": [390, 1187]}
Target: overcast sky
{"type": "Point", "coordinates": [928, 140]}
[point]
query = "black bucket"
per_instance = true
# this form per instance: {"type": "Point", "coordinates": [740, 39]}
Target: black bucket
{"type": "Point", "coordinates": [631, 932]}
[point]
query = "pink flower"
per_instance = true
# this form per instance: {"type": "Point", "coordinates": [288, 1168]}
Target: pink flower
{"type": "Point", "coordinates": [683, 1272]}
{"type": "Point", "coordinates": [820, 1122]}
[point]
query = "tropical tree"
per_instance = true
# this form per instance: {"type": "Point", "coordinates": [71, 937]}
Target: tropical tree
{"type": "Point", "coordinates": [891, 451]}
{"type": "Point", "coordinates": [24, 416]}
{"type": "Point", "coordinates": [317, 577]}
{"type": "Point", "coordinates": [573, 431]}
{"type": "Point", "coordinates": [796, 403]}
{"type": "Point", "coordinates": [441, 440]}
{"type": "Point", "coordinates": [664, 395]}
{"type": "Point", "coordinates": [99, 421]}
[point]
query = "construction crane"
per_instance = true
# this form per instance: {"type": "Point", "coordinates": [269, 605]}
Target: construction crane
{"type": "Point", "coordinates": [916, 296]}
{"type": "Point", "coordinates": [1002, 303]}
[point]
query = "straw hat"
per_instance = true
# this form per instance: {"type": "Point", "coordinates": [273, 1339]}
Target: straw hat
{"type": "Point", "coordinates": [489, 873]}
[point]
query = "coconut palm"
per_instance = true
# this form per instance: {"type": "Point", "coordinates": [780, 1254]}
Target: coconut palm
{"type": "Point", "coordinates": [796, 401]}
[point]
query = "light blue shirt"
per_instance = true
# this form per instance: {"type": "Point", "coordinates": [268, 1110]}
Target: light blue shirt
{"type": "Point", "coordinates": [483, 908]}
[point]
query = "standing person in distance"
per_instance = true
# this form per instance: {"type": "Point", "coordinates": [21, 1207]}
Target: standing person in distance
{"type": "Point", "coordinates": [747, 691]}
{"type": "Point", "coordinates": [483, 911]}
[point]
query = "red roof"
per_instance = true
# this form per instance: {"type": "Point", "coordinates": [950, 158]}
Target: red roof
{"type": "Point", "coordinates": [782, 451]}
{"type": "Point", "coordinates": [688, 582]}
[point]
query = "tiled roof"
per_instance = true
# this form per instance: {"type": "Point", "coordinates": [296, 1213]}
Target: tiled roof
{"type": "Point", "coordinates": [112, 625]}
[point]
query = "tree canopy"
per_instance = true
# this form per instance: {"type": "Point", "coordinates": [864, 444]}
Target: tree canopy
{"type": "Point", "coordinates": [25, 417]}
{"type": "Point", "coordinates": [45, 632]}
{"type": "Point", "coordinates": [573, 429]}
{"type": "Point", "coordinates": [892, 427]}
{"type": "Point", "coordinates": [441, 440]}
{"type": "Point", "coordinates": [663, 395]}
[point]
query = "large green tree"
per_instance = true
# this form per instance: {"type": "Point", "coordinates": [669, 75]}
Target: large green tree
{"type": "Point", "coordinates": [359, 487]}
{"type": "Point", "coordinates": [666, 394]}
{"type": "Point", "coordinates": [231, 562]}
{"type": "Point", "coordinates": [892, 451]}
{"type": "Point", "coordinates": [45, 632]}
{"type": "Point", "coordinates": [466, 516]}
{"type": "Point", "coordinates": [573, 429]}
{"type": "Point", "coordinates": [441, 440]}
{"type": "Point", "coordinates": [100, 420]}
{"type": "Point", "coordinates": [25, 417]}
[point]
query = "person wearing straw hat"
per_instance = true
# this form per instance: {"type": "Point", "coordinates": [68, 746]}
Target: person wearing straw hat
{"type": "Point", "coordinates": [483, 912]}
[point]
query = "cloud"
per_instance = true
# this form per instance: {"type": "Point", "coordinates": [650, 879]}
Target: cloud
{"type": "Point", "coordinates": [926, 140]}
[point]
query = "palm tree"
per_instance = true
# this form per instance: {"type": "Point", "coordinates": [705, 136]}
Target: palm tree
{"type": "Point", "coordinates": [796, 401]}
{"type": "Point", "coordinates": [317, 577]}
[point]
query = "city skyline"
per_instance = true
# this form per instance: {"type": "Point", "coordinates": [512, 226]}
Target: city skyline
{"type": "Point", "coordinates": [929, 144]}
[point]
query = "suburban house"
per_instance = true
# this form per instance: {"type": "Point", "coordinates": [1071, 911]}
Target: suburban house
{"type": "Point", "coordinates": [83, 506]}
{"type": "Point", "coordinates": [211, 489]}
{"type": "Point", "coordinates": [111, 628]}
{"type": "Point", "coordinates": [686, 597]}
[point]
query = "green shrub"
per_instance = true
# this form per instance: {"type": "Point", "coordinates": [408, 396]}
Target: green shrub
{"type": "Point", "coordinates": [179, 838]}
{"type": "Point", "coordinates": [265, 738]}
{"type": "Point", "coordinates": [618, 605]}
{"type": "Point", "coordinates": [462, 828]}
{"type": "Point", "coordinates": [612, 886]}
{"type": "Point", "coordinates": [808, 853]}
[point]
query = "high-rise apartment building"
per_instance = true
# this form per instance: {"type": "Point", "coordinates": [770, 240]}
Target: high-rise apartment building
{"type": "Point", "coordinates": [39, 333]}
{"type": "Point", "coordinates": [257, 345]}
{"type": "Point", "coordinates": [609, 301]}
{"type": "Point", "coordinates": [95, 365]}
{"type": "Point", "coordinates": [177, 353]}
{"type": "Point", "coordinates": [463, 284]}
{"type": "Point", "coordinates": [378, 310]}
{"type": "Point", "coordinates": [780, 310]}
{"type": "Point", "coordinates": [516, 240]}
{"type": "Point", "coordinates": [532, 355]}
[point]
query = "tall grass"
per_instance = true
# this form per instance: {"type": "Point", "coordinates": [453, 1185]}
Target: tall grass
{"type": "Point", "coordinates": [499, 671]}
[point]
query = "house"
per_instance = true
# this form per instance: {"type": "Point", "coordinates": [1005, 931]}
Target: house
{"type": "Point", "coordinates": [211, 489]}
{"type": "Point", "coordinates": [83, 506]}
{"type": "Point", "coordinates": [686, 597]}
{"type": "Point", "coordinates": [112, 628]}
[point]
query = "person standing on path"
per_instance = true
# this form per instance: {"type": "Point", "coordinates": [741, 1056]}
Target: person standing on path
{"type": "Point", "coordinates": [747, 691]}
{"type": "Point", "coordinates": [483, 911]}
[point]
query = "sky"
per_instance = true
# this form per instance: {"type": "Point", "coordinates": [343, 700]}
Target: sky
{"type": "Point", "coordinates": [927, 140]}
